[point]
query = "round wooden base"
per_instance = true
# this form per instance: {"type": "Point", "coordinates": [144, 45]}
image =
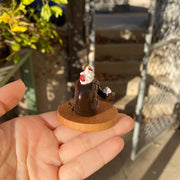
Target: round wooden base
{"type": "Point", "coordinates": [105, 118]}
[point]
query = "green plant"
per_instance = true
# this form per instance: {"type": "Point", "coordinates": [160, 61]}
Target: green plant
{"type": "Point", "coordinates": [18, 31]}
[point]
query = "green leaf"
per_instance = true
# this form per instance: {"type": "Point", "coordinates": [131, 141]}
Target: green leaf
{"type": "Point", "coordinates": [18, 39]}
{"type": "Point", "coordinates": [55, 33]}
{"type": "Point", "coordinates": [60, 41]}
{"type": "Point", "coordinates": [22, 7]}
{"type": "Point", "coordinates": [60, 1]}
{"type": "Point", "coordinates": [43, 50]}
{"type": "Point", "coordinates": [16, 58]}
{"type": "Point", "coordinates": [46, 12]}
{"type": "Point", "coordinates": [6, 33]}
{"type": "Point", "coordinates": [33, 46]}
{"type": "Point", "coordinates": [51, 49]}
{"type": "Point", "coordinates": [57, 11]}
{"type": "Point", "coordinates": [34, 39]}
{"type": "Point", "coordinates": [27, 2]}
{"type": "Point", "coordinates": [15, 46]}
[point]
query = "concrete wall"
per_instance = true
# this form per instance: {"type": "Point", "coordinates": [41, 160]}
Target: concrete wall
{"type": "Point", "coordinates": [51, 79]}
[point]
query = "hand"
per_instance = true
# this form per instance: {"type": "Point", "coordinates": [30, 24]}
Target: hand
{"type": "Point", "coordinates": [40, 148]}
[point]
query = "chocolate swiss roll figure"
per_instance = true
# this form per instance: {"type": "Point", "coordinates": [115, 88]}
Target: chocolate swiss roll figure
{"type": "Point", "coordinates": [87, 92]}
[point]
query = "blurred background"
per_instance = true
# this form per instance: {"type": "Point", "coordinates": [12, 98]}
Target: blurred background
{"type": "Point", "coordinates": [134, 47]}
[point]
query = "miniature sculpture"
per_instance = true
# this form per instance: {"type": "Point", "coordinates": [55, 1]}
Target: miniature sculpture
{"type": "Point", "coordinates": [86, 112]}
{"type": "Point", "coordinates": [87, 92]}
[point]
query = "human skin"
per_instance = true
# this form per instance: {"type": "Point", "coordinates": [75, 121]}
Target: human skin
{"type": "Point", "coordinates": [40, 148]}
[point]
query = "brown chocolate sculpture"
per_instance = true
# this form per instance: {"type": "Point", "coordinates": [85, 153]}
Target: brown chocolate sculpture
{"type": "Point", "coordinates": [87, 92]}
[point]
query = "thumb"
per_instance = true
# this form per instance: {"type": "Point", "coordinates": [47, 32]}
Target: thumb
{"type": "Point", "coordinates": [10, 95]}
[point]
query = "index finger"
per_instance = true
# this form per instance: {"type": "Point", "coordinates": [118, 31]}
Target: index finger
{"type": "Point", "coordinates": [10, 95]}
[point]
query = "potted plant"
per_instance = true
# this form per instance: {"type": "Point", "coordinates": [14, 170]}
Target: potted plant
{"type": "Point", "coordinates": [21, 27]}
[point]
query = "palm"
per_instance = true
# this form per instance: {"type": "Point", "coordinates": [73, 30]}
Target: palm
{"type": "Point", "coordinates": [39, 147]}
{"type": "Point", "coordinates": [33, 149]}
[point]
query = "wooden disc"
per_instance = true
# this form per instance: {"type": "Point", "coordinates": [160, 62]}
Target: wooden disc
{"type": "Point", "coordinates": [105, 118]}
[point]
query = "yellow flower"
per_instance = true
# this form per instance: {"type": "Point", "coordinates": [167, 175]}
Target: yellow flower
{"type": "Point", "coordinates": [19, 29]}
{"type": "Point", "coordinates": [5, 18]}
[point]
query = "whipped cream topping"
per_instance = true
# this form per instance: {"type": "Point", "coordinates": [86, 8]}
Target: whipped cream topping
{"type": "Point", "coordinates": [107, 91]}
{"type": "Point", "coordinates": [87, 75]}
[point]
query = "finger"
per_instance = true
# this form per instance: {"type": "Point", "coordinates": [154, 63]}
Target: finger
{"type": "Point", "coordinates": [89, 162]}
{"type": "Point", "coordinates": [87, 141]}
{"type": "Point", "coordinates": [124, 125]}
{"type": "Point", "coordinates": [62, 133]}
{"type": "Point", "coordinates": [10, 95]}
{"type": "Point", "coordinates": [51, 119]}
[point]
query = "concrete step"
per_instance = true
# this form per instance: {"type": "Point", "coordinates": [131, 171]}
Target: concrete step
{"type": "Point", "coordinates": [120, 36]}
{"type": "Point", "coordinates": [155, 106]}
{"type": "Point", "coordinates": [118, 86]}
{"type": "Point", "coordinates": [121, 68]}
{"type": "Point", "coordinates": [122, 86]}
{"type": "Point", "coordinates": [123, 102]}
{"type": "Point", "coordinates": [120, 27]}
{"type": "Point", "coordinates": [126, 105]}
{"type": "Point", "coordinates": [119, 51]}
{"type": "Point", "coordinates": [120, 6]}
{"type": "Point", "coordinates": [120, 21]}
{"type": "Point", "coordinates": [153, 87]}
{"type": "Point", "coordinates": [142, 3]}
{"type": "Point", "coordinates": [129, 86]}
{"type": "Point", "coordinates": [133, 86]}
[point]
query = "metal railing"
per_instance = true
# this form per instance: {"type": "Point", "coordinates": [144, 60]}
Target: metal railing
{"type": "Point", "coordinates": [158, 102]}
{"type": "Point", "coordinates": [26, 68]}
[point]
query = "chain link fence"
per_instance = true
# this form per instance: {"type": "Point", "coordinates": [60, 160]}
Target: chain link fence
{"type": "Point", "coordinates": [158, 108]}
